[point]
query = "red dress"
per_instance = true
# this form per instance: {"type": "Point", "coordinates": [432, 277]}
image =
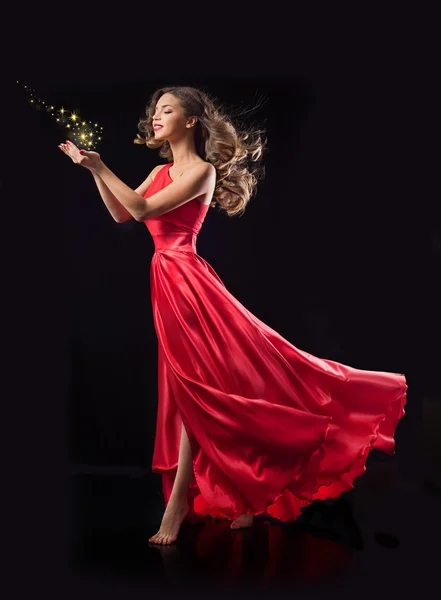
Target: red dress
{"type": "Point", "coordinates": [271, 427]}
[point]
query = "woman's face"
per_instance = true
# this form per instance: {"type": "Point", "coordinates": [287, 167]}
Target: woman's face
{"type": "Point", "coordinates": [170, 114]}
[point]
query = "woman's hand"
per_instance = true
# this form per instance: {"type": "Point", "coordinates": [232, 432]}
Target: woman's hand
{"type": "Point", "coordinates": [89, 160]}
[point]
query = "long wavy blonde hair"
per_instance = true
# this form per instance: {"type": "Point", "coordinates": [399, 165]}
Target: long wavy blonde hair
{"type": "Point", "coordinates": [234, 150]}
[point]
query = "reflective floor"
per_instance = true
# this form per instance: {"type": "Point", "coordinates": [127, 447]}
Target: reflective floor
{"type": "Point", "coordinates": [382, 536]}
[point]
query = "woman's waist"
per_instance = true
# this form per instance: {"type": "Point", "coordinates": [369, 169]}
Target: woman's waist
{"type": "Point", "coordinates": [175, 241]}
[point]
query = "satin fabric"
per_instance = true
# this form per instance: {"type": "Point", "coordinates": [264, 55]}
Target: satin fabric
{"type": "Point", "coordinates": [271, 427]}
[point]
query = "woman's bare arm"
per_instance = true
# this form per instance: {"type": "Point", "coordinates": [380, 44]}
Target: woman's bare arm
{"type": "Point", "coordinates": [119, 213]}
{"type": "Point", "coordinates": [116, 209]}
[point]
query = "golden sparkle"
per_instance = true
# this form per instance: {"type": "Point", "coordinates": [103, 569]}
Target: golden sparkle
{"type": "Point", "coordinates": [78, 130]}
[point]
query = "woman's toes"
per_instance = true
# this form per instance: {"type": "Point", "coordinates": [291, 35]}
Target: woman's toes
{"type": "Point", "coordinates": [244, 520]}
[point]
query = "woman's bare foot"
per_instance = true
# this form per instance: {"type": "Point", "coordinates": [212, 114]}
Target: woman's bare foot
{"type": "Point", "coordinates": [171, 522]}
{"type": "Point", "coordinates": [242, 521]}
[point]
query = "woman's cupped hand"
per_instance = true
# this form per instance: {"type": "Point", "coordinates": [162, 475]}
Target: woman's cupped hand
{"type": "Point", "coordinates": [87, 159]}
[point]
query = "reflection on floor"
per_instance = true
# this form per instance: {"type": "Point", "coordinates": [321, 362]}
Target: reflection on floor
{"type": "Point", "coordinates": [382, 534]}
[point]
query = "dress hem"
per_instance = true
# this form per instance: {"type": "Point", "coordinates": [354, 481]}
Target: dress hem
{"type": "Point", "coordinates": [261, 511]}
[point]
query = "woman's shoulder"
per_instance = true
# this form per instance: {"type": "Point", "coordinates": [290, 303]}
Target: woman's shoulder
{"type": "Point", "coordinates": [155, 171]}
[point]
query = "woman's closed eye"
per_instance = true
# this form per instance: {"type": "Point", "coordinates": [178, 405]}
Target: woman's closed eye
{"type": "Point", "coordinates": [166, 113]}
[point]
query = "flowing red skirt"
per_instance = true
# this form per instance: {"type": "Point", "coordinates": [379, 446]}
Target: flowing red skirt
{"type": "Point", "coordinates": [271, 427]}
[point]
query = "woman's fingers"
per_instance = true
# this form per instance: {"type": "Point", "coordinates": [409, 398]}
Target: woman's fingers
{"type": "Point", "coordinates": [71, 146]}
{"type": "Point", "coordinates": [66, 148]}
{"type": "Point", "coordinates": [73, 151]}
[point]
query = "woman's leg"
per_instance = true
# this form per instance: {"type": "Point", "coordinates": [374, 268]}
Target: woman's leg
{"type": "Point", "coordinates": [184, 474]}
{"type": "Point", "coordinates": [177, 506]}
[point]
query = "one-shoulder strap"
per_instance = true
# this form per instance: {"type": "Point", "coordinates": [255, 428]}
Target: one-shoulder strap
{"type": "Point", "coordinates": [164, 168]}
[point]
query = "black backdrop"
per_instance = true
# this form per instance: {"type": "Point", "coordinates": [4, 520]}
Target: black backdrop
{"type": "Point", "coordinates": [339, 250]}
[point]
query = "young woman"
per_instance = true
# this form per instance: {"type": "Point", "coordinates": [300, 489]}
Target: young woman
{"type": "Point", "coordinates": [247, 423]}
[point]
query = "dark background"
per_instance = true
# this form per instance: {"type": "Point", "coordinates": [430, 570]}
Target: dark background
{"type": "Point", "coordinates": [340, 251]}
